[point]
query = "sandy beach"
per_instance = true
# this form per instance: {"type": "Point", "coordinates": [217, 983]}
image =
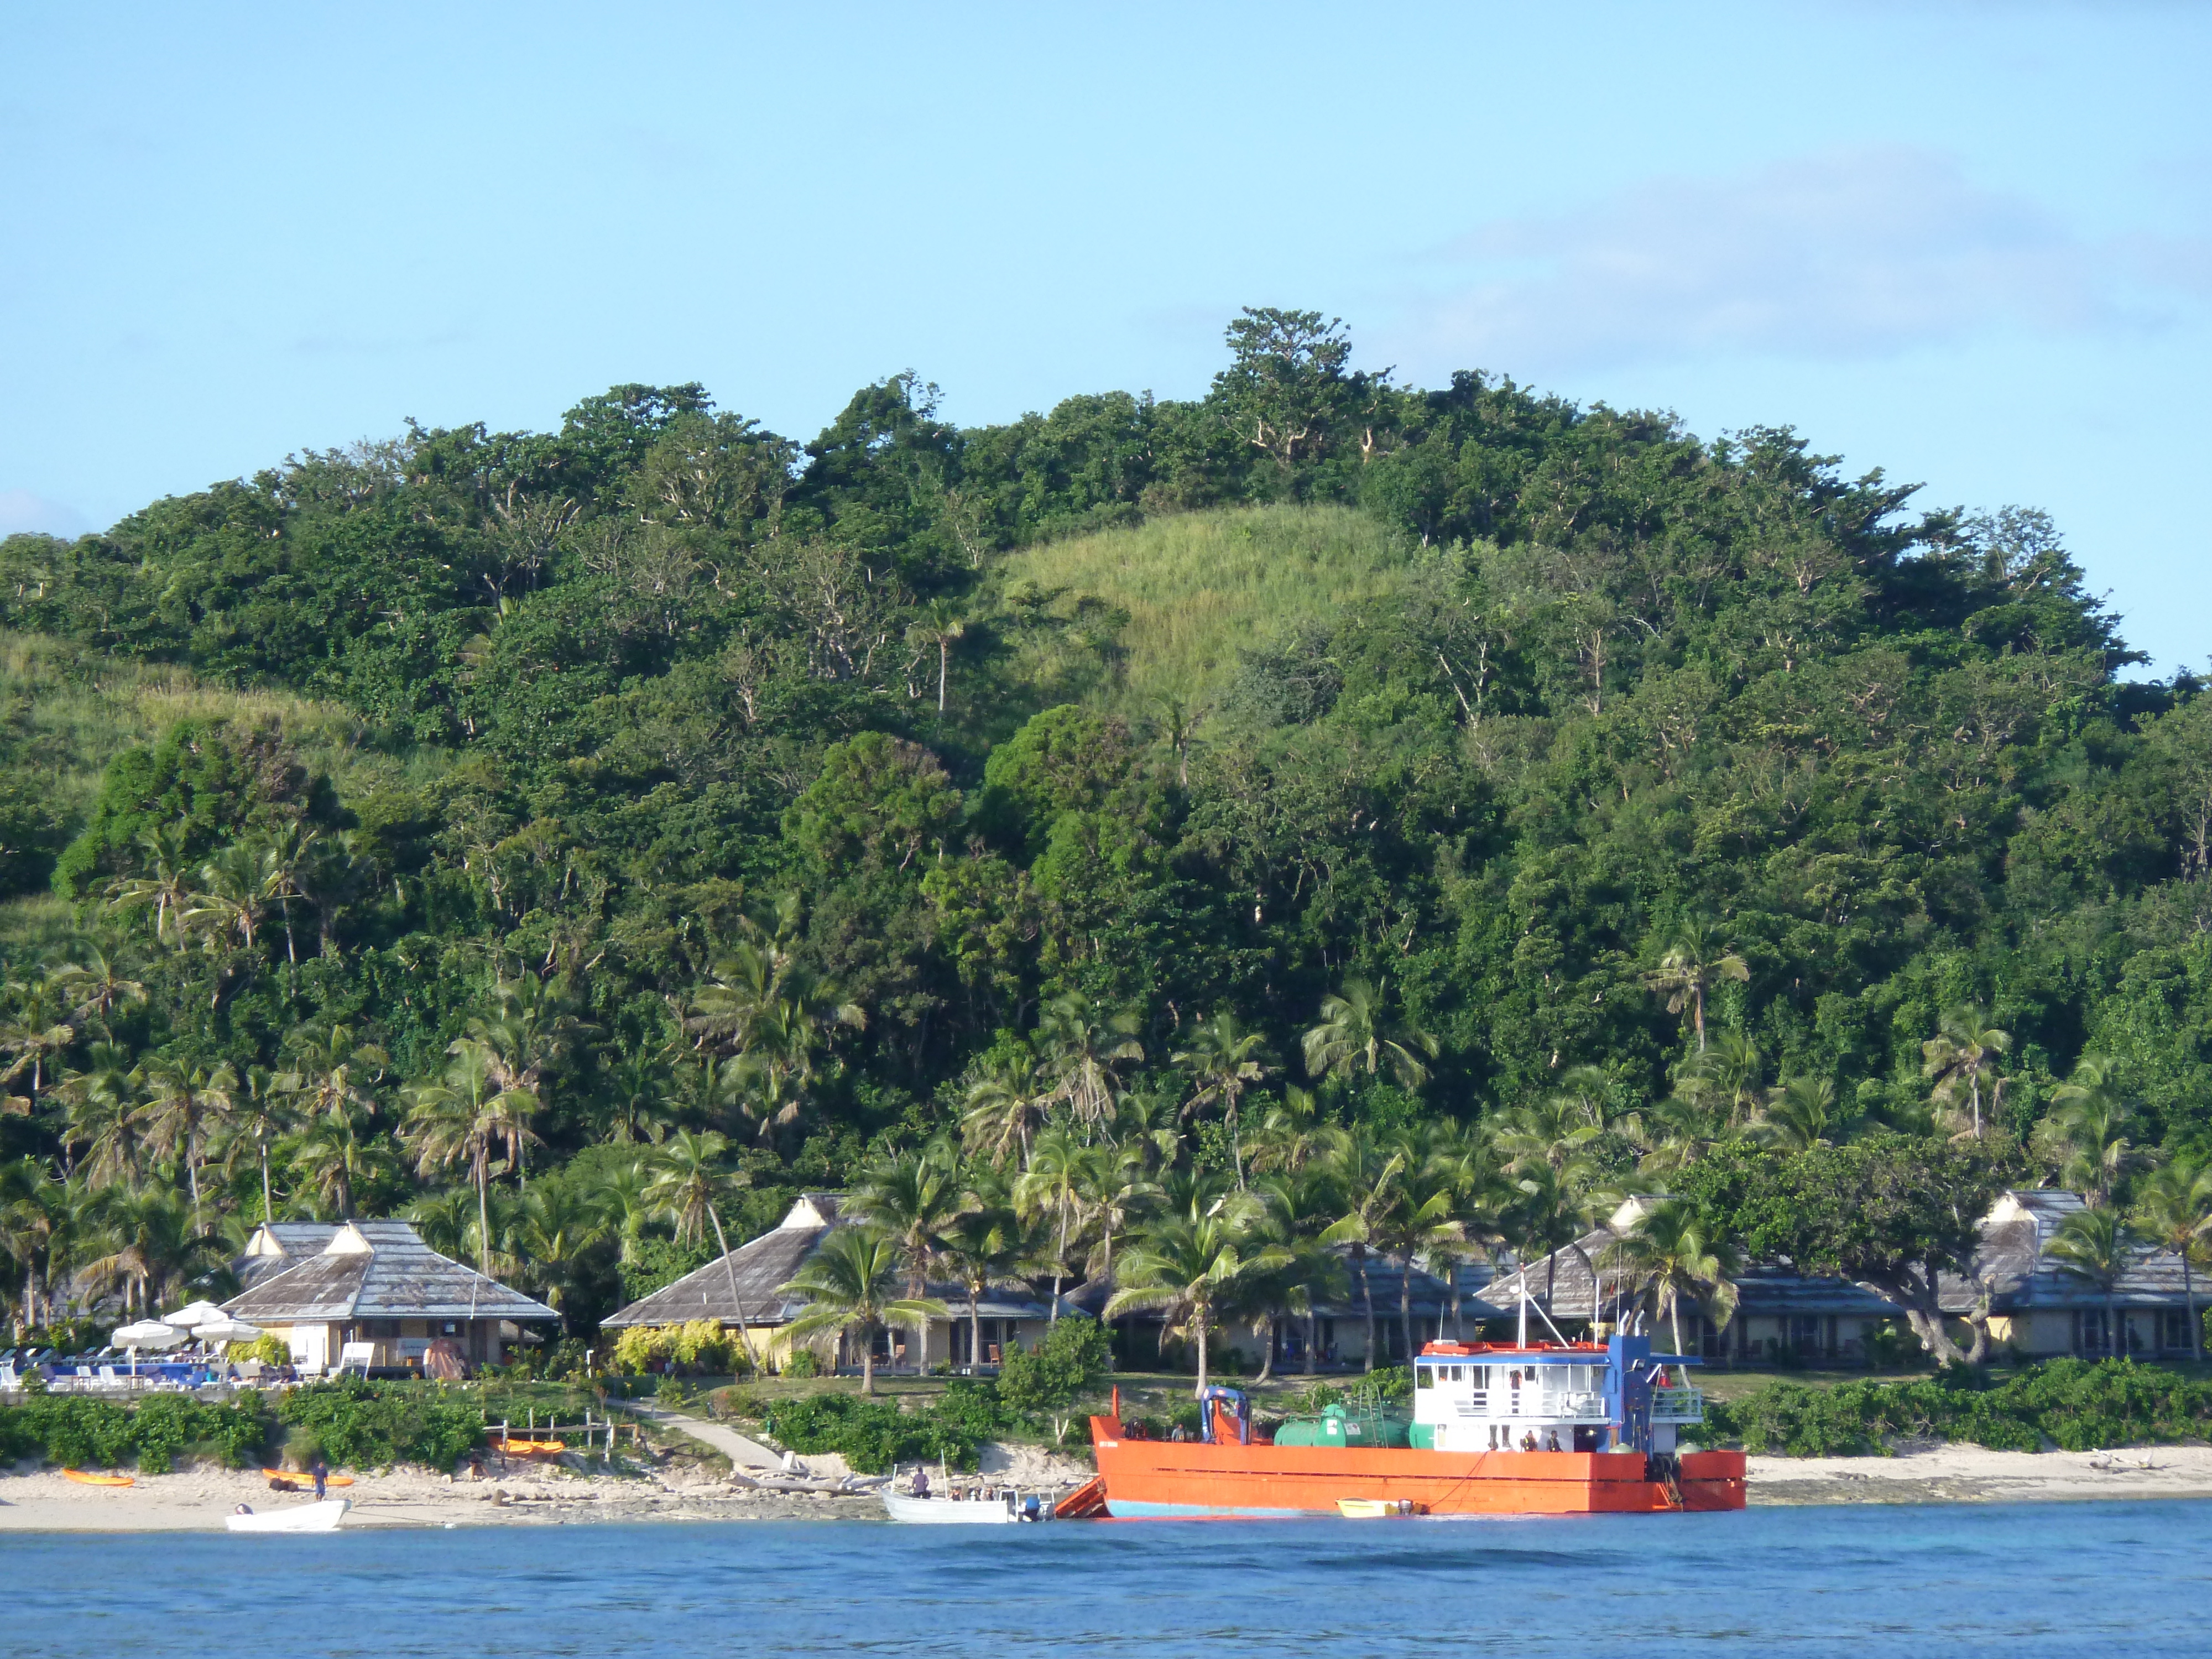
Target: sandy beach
{"type": "Point", "coordinates": [1970, 1474]}
{"type": "Point", "coordinates": [197, 1500]}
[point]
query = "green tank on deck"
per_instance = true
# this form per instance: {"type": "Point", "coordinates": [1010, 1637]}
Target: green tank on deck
{"type": "Point", "coordinates": [1345, 1425]}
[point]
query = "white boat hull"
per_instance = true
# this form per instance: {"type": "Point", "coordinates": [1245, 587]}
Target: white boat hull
{"type": "Point", "coordinates": [949, 1511]}
{"type": "Point", "coordinates": [298, 1517]}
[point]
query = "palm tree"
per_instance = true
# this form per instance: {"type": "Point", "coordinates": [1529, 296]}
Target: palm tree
{"type": "Point", "coordinates": [1222, 1061]}
{"type": "Point", "coordinates": [34, 1027]}
{"type": "Point", "coordinates": [777, 1063]}
{"type": "Point", "coordinates": [621, 1192]}
{"type": "Point", "coordinates": [149, 1244]}
{"type": "Point", "coordinates": [236, 885]}
{"type": "Point", "coordinates": [1085, 1052]}
{"type": "Point", "coordinates": [1193, 1269]}
{"type": "Point", "coordinates": [463, 1118]}
{"type": "Point", "coordinates": [95, 989]}
{"type": "Point", "coordinates": [1300, 1204]}
{"type": "Point", "coordinates": [166, 887]}
{"type": "Point", "coordinates": [688, 1181]}
{"type": "Point", "coordinates": [263, 1110]}
{"type": "Point", "coordinates": [1691, 963]}
{"type": "Point", "coordinates": [1672, 1255]}
{"type": "Point", "coordinates": [1115, 1187]}
{"type": "Point", "coordinates": [107, 1115]}
{"type": "Point", "coordinates": [331, 1158]}
{"type": "Point", "coordinates": [1424, 1218]}
{"type": "Point", "coordinates": [2175, 1208]}
{"type": "Point", "coordinates": [1005, 1105]}
{"type": "Point", "coordinates": [1369, 1179]}
{"type": "Point", "coordinates": [185, 1102]}
{"type": "Point", "coordinates": [914, 1197]}
{"type": "Point", "coordinates": [2087, 1133]}
{"type": "Point", "coordinates": [555, 1234]}
{"type": "Point", "coordinates": [939, 624]}
{"type": "Point", "coordinates": [1800, 1116]}
{"type": "Point", "coordinates": [1352, 1037]}
{"type": "Point", "coordinates": [33, 1215]}
{"type": "Point", "coordinates": [1053, 1185]}
{"type": "Point", "coordinates": [2098, 1246]}
{"type": "Point", "coordinates": [982, 1242]}
{"type": "Point", "coordinates": [1725, 1078]}
{"type": "Point", "coordinates": [1965, 1046]}
{"type": "Point", "coordinates": [333, 1073]}
{"type": "Point", "coordinates": [850, 1285]}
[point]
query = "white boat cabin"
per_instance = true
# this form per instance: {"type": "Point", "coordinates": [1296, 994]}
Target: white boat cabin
{"type": "Point", "coordinates": [1575, 1397]}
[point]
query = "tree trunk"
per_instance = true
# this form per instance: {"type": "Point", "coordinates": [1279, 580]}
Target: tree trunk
{"type": "Point", "coordinates": [2189, 1300]}
{"type": "Point", "coordinates": [730, 1270]}
{"type": "Point", "coordinates": [944, 667]}
{"type": "Point", "coordinates": [1268, 1358]}
{"type": "Point", "coordinates": [1198, 1324]}
{"type": "Point", "coordinates": [267, 1212]}
{"type": "Point", "coordinates": [1059, 1264]}
{"type": "Point", "coordinates": [1934, 1339]}
{"type": "Point", "coordinates": [1312, 1325]}
{"type": "Point", "coordinates": [1698, 1011]}
{"type": "Point", "coordinates": [867, 1360]}
{"type": "Point", "coordinates": [1367, 1296]}
{"type": "Point", "coordinates": [1405, 1305]}
{"type": "Point", "coordinates": [974, 1329]}
{"type": "Point", "coordinates": [1674, 1313]}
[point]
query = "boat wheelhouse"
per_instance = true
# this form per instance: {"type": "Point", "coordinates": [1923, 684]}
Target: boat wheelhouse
{"type": "Point", "coordinates": [1542, 1396]}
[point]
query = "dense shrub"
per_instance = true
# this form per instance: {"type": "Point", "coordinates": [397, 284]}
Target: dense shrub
{"type": "Point", "coordinates": [700, 1345]}
{"type": "Point", "coordinates": [78, 1432]}
{"type": "Point", "coordinates": [2070, 1403]}
{"type": "Point", "coordinates": [365, 1425]}
{"type": "Point", "coordinates": [1047, 1377]}
{"type": "Point", "coordinates": [872, 1435]}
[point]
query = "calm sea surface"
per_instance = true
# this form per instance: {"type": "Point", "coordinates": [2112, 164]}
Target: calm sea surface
{"type": "Point", "coordinates": [2124, 1579]}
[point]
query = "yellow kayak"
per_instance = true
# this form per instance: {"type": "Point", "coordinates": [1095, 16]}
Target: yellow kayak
{"type": "Point", "coordinates": [84, 1479]}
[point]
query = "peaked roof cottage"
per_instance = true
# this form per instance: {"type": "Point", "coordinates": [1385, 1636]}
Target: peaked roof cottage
{"type": "Point", "coordinates": [377, 1284]}
{"type": "Point", "coordinates": [2037, 1306]}
{"type": "Point", "coordinates": [746, 1288]}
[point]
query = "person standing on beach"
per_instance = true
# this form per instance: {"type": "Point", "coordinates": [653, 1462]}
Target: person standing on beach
{"type": "Point", "coordinates": [321, 1471]}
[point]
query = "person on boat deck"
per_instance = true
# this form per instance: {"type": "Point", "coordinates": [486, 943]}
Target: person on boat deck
{"type": "Point", "coordinates": [920, 1481]}
{"type": "Point", "coordinates": [1528, 1441]}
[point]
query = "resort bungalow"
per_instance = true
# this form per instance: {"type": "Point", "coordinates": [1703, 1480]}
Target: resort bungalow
{"type": "Point", "coordinates": [745, 1289]}
{"type": "Point", "coordinates": [2037, 1307]}
{"type": "Point", "coordinates": [2040, 1308]}
{"type": "Point", "coordinates": [372, 1293]}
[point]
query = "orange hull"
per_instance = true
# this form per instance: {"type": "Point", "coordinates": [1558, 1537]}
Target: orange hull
{"type": "Point", "coordinates": [1156, 1478]}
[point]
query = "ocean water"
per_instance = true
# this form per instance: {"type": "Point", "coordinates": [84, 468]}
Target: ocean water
{"type": "Point", "coordinates": [2070, 1578]}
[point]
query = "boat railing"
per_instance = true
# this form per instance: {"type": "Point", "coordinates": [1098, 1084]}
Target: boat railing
{"type": "Point", "coordinates": [1680, 1404]}
{"type": "Point", "coordinates": [1535, 1403]}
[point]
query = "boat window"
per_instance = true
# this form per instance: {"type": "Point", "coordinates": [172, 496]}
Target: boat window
{"type": "Point", "coordinates": [1424, 1376]}
{"type": "Point", "coordinates": [1458, 1374]}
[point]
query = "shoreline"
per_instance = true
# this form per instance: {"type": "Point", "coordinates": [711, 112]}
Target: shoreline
{"type": "Point", "coordinates": [197, 1500]}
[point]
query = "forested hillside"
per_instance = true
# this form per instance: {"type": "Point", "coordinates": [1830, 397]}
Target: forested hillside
{"type": "Point", "coordinates": [457, 819]}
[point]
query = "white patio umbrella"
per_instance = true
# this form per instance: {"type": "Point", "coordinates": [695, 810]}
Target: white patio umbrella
{"type": "Point", "coordinates": [227, 1330]}
{"type": "Point", "coordinates": [146, 1334]}
{"type": "Point", "coordinates": [192, 1317]}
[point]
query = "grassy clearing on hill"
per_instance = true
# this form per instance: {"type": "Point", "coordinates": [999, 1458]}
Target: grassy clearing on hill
{"type": "Point", "coordinates": [1198, 587]}
{"type": "Point", "coordinates": [73, 710]}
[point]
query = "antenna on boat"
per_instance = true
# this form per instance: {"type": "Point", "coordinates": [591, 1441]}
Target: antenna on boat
{"type": "Point", "coordinates": [1522, 1340]}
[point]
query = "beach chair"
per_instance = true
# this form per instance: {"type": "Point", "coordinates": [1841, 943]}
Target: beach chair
{"type": "Point", "coordinates": [107, 1373]}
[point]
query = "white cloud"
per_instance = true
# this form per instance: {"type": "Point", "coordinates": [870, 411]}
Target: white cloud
{"type": "Point", "coordinates": [21, 510]}
{"type": "Point", "coordinates": [1853, 254]}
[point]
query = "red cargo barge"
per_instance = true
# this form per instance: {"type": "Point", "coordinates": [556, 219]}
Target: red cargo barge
{"type": "Point", "coordinates": [1497, 1429]}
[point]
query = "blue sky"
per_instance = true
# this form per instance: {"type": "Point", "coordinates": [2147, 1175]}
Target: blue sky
{"type": "Point", "coordinates": [1969, 243]}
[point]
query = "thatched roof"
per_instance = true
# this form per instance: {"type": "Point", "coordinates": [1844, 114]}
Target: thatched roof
{"type": "Point", "coordinates": [761, 1267]}
{"type": "Point", "coordinates": [379, 1270]}
{"type": "Point", "coordinates": [2014, 1264]}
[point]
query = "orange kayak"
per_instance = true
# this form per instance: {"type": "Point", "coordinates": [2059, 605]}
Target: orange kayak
{"type": "Point", "coordinates": [529, 1447]}
{"type": "Point", "coordinates": [301, 1474]}
{"type": "Point", "coordinates": [84, 1479]}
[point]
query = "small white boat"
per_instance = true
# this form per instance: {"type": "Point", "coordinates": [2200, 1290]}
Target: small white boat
{"type": "Point", "coordinates": [950, 1512]}
{"type": "Point", "coordinates": [298, 1517]}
